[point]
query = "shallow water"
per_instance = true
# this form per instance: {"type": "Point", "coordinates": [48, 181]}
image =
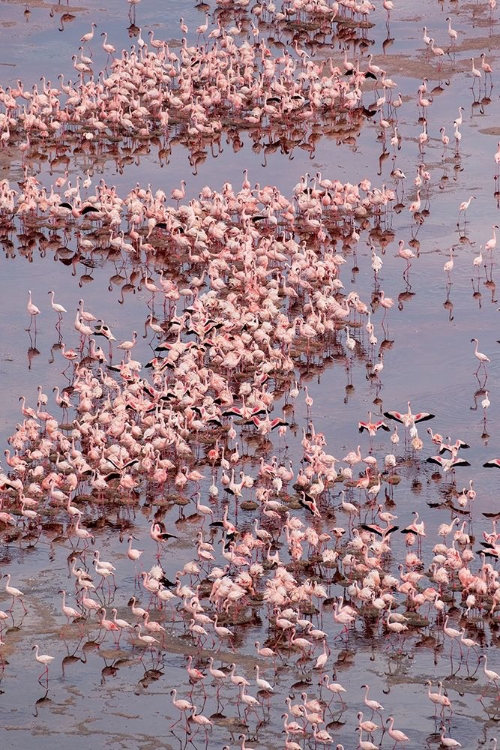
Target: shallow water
{"type": "Point", "coordinates": [120, 697]}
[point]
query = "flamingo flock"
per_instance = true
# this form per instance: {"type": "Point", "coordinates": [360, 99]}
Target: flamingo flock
{"type": "Point", "coordinates": [192, 513]}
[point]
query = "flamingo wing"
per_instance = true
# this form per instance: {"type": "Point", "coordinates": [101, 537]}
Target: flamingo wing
{"type": "Point", "coordinates": [395, 415]}
{"type": "Point", "coordinates": [278, 422]}
{"type": "Point", "coordinates": [490, 552]}
{"type": "Point", "coordinates": [445, 447]}
{"type": "Point", "coordinates": [436, 460]}
{"type": "Point", "coordinates": [310, 505]}
{"type": "Point", "coordinates": [375, 529]}
{"type": "Point", "coordinates": [258, 410]}
{"type": "Point", "coordinates": [492, 463]}
{"type": "Point", "coordinates": [423, 416]}
{"type": "Point", "coordinates": [232, 412]}
{"type": "Point", "coordinates": [390, 530]}
{"type": "Point", "coordinates": [460, 462]}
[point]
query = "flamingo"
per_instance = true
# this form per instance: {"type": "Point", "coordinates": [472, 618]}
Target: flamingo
{"type": "Point", "coordinates": [367, 726]}
{"type": "Point", "coordinates": [44, 659]}
{"type": "Point", "coordinates": [181, 704]}
{"type": "Point", "coordinates": [107, 47]}
{"type": "Point", "coordinates": [133, 553]}
{"type": "Point", "coordinates": [69, 612]}
{"type": "Point", "coordinates": [122, 624]}
{"type": "Point", "coordinates": [396, 734]}
{"type": "Point", "coordinates": [200, 720]}
{"type": "Point", "coordinates": [482, 358]}
{"type": "Point", "coordinates": [32, 309]}
{"type": "Point", "coordinates": [465, 205]}
{"type": "Point", "coordinates": [452, 33]}
{"type": "Point", "coordinates": [448, 741]}
{"type": "Point", "coordinates": [489, 673]}
{"type": "Point", "coordinates": [487, 69]}
{"type": "Point", "coordinates": [89, 35]}
{"type": "Point", "coordinates": [261, 683]}
{"type": "Point", "coordinates": [365, 744]}
{"type": "Point", "coordinates": [127, 346]}
{"type": "Point", "coordinates": [334, 687]}
{"type": "Point", "coordinates": [416, 527]}
{"type": "Point", "coordinates": [13, 592]}
{"type": "Point", "coordinates": [414, 207]}
{"type": "Point", "coordinates": [497, 156]}
{"type": "Point", "coordinates": [477, 262]}
{"type": "Point", "coordinates": [409, 419]}
{"type": "Point", "coordinates": [437, 698]}
{"type": "Point", "coordinates": [448, 266]}
{"type": "Point", "coordinates": [370, 703]}
{"type": "Point", "coordinates": [385, 302]}
{"type": "Point", "coordinates": [406, 253]}
{"type": "Point", "coordinates": [178, 194]}
{"type": "Point", "coordinates": [491, 244]}
{"type": "Point", "coordinates": [59, 309]}
{"type": "Point", "coordinates": [83, 533]}
{"type": "Point", "coordinates": [146, 640]}
{"type": "Point", "coordinates": [476, 74]}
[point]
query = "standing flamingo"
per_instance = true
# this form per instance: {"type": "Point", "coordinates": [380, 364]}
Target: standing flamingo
{"type": "Point", "coordinates": [33, 311]}
{"type": "Point", "coordinates": [14, 593]}
{"type": "Point", "coordinates": [491, 244]}
{"type": "Point", "coordinates": [480, 356]}
{"type": "Point", "coordinates": [44, 659]}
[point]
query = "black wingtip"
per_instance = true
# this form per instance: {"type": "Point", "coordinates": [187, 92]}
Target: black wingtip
{"type": "Point", "coordinates": [426, 418]}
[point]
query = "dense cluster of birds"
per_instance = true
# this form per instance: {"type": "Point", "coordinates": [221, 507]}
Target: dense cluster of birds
{"type": "Point", "coordinates": [319, 560]}
{"type": "Point", "coordinates": [191, 95]}
{"type": "Point", "coordinates": [146, 436]}
{"type": "Point", "coordinates": [136, 438]}
{"type": "Point", "coordinates": [231, 81]}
